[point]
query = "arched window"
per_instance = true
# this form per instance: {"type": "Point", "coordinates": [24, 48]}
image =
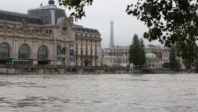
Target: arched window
{"type": "Point", "coordinates": [24, 51]}
{"type": "Point", "coordinates": [42, 52]}
{"type": "Point", "coordinates": [4, 50]}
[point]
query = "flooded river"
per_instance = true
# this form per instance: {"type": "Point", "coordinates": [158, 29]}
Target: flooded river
{"type": "Point", "coordinates": [99, 93]}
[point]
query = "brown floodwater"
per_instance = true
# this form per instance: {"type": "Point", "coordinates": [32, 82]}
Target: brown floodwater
{"type": "Point", "coordinates": [99, 93]}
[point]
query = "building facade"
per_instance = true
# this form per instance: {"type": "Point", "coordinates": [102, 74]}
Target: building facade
{"type": "Point", "coordinates": [88, 47]}
{"type": "Point", "coordinates": [156, 56]}
{"type": "Point", "coordinates": [46, 36]}
{"type": "Point", "coordinates": [116, 56]}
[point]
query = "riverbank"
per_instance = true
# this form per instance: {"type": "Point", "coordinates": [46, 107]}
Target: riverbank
{"type": "Point", "coordinates": [83, 70]}
{"type": "Point", "coordinates": [63, 70]}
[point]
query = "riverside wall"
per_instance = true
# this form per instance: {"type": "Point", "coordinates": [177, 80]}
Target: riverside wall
{"type": "Point", "coordinates": [49, 69]}
{"type": "Point", "coordinates": [61, 69]}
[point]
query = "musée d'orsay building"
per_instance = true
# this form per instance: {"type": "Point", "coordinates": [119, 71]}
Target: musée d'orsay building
{"type": "Point", "coordinates": [46, 36]}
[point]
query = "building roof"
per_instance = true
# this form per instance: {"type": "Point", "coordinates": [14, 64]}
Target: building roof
{"type": "Point", "coordinates": [120, 47]}
{"type": "Point", "coordinates": [151, 55]}
{"type": "Point", "coordinates": [19, 17]}
{"type": "Point", "coordinates": [49, 6]}
{"type": "Point", "coordinates": [42, 16]}
{"type": "Point", "coordinates": [85, 30]}
{"type": "Point", "coordinates": [32, 18]}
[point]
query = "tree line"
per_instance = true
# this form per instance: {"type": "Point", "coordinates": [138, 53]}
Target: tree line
{"type": "Point", "coordinates": [137, 55]}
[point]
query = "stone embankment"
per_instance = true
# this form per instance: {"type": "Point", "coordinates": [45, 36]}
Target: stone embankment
{"type": "Point", "coordinates": [57, 69]}
{"type": "Point", "coordinates": [61, 69]}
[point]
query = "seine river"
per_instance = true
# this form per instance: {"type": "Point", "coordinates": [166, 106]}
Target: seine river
{"type": "Point", "coordinates": [99, 93]}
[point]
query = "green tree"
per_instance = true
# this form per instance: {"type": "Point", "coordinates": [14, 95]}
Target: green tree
{"type": "Point", "coordinates": [136, 52]}
{"type": "Point", "coordinates": [172, 58]}
{"type": "Point", "coordinates": [77, 6]}
{"type": "Point", "coordinates": [142, 51]}
{"type": "Point", "coordinates": [174, 62]}
{"type": "Point", "coordinates": [166, 65]}
{"type": "Point", "coordinates": [172, 22]}
{"type": "Point", "coordinates": [196, 66]}
{"type": "Point", "coordinates": [178, 65]}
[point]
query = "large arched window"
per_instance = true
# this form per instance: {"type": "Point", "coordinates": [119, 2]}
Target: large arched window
{"type": "Point", "coordinates": [42, 52]}
{"type": "Point", "coordinates": [4, 50]}
{"type": "Point", "coordinates": [24, 51]}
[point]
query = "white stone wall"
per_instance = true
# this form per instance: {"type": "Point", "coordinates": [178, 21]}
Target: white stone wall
{"type": "Point", "coordinates": [87, 43]}
{"type": "Point", "coordinates": [115, 61]}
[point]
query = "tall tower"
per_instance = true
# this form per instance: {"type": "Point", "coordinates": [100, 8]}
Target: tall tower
{"type": "Point", "coordinates": [111, 36]}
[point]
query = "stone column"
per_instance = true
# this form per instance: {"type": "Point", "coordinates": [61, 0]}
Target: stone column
{"type": "Point", "coordinates": [15, 49]}
{"type": "Point", "coordinates": [34, 46]}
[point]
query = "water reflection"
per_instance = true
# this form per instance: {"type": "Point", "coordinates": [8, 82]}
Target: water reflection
{"type": "Point", "coordinates": [99, 93]}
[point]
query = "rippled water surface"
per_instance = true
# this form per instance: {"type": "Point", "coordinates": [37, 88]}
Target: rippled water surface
{"type": "Point", "coordinates": [99, 93]}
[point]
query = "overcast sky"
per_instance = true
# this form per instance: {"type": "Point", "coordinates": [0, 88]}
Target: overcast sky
{"type": "Point", "coordinates": [98, 16]}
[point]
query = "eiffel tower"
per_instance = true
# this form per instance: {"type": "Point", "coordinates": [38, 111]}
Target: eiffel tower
{"type": "Point", "coordinates": [111, 36]}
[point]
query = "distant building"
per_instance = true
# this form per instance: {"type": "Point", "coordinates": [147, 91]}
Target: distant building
{"type": "Point", "coordinates": [116, 56]}
{"type": "Point", "coordinates": [161, 56]}
{"type": "Point", "coordinates": [156, 56]}
{"type": "Point", "coordinates": [88, 47]}
{"type": "Point", "coordinates": [165, 55]}
{"type": "Point", "coordinates": [153, 61]}
{"type": "Point", "coordinates": [47, 36]}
